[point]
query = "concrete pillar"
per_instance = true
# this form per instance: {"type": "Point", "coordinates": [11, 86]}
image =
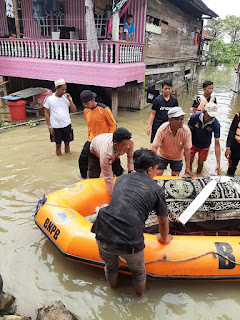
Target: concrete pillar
{"type": "Point", "coordinates": [115, 27]}
{"type": "Point", "coordinates": [115, 102]}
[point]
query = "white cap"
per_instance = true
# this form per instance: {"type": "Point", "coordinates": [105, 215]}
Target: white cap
{"type": "Point", "coordinates": [212, 109]}
{"type": "Point", "coordinates": [59, 82]}
{"type": "Point", "coordinates": [175, 112]}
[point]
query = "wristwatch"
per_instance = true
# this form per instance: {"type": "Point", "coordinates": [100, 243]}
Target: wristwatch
{"type": "Point", "coordinates": [49, 127]}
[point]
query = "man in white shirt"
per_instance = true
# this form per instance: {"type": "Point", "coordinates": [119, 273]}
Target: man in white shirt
{"type": "Point", "coordinates": [56, 108]}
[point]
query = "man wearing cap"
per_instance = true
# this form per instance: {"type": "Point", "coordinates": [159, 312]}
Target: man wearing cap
{"type": "Point", "coordinates": [99, 120]}
{"type": "Point", "coordinates": [56, 108]}
{"type": "Point", "coordinates": [105, 152]}
{"type": "Point", "coordinates": [202, 125]}
{"type": "Point", "coordinates": [172, 140]}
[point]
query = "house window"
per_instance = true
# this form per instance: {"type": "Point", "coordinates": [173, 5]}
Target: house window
{"type": "Point", "coordinates": [53, 21]}
{"type": "Point", "coordinates": [101, 24]}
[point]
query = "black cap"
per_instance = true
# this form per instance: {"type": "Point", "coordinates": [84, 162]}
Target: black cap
{"type": "Point", "coordinates": [87, 95]}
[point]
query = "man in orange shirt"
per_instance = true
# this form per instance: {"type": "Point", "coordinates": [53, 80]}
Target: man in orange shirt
{"type": "Point", "coordinates": [99, 120]}
{"type": "Point", "coordinates": [171, 142]}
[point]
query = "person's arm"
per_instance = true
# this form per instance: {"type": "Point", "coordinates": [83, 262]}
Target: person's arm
{"type": "Point", "coordinates": [72, 105]}
{"type": "Point", "coordinates": [150, 121]}
{"type": "Point", "coordinates": [110, 120]}
{"type": "Point", "coordinates": [154, 149]}
{"type": "Point", "coordinates": [187, 155]}
{"type": "Point", "coordinates": [217, 154]}
{"type": "Point", "coordinates": [195, 105]}
{"type": "Point", "coordinates": [131, 37]}
{"type": "Point", "coordinates": [47, 118]}
{"type": "Point", "coordinates": [130, 157]}
{"type": "Point", "coordinates": [231, 135]}
{"type": "Point", "coordinates": [164, 236]}
{"type": "Point", "coordinates": [107, 171]}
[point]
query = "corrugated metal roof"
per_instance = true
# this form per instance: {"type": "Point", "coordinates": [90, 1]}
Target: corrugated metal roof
{"type": "Point", "coordinates": [195, 8]}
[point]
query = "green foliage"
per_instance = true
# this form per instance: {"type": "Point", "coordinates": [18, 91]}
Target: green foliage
{"type": "Point", "coordinates": [221, 52]}
{"type": "Point", "coordinates": [32, 123]}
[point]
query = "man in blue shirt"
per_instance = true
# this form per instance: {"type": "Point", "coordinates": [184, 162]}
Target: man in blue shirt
{"type": "Point", "coordinates": [128, 29]}
{"type": "Point", "coordinates": [202, 125]}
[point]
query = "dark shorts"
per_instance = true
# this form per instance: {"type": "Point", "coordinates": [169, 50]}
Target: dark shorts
{"type": "Point", "coordinates": [175, 165]}
{"type": "Point", "coordinates": [202, 152]}
{"type": "Point", "coordinates": [135, 262]}
{"type": "Point", "coordinates": [95, 168]}
{"type": "Point", "coordinates": [62, 134]}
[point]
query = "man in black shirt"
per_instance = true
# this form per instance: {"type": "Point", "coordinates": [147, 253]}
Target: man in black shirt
{"type": "Point", "coordinates": [161, 105]}
{"type": "Point", "coordinates": [119, 226]}
{"type": "Point", "coordinates": [232, 152]}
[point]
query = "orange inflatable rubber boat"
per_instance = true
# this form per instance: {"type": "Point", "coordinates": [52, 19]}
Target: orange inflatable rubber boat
{"type": "Point", "coordinates": [61, 217]}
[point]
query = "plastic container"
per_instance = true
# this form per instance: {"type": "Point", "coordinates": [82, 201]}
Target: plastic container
{"type": "Point", "coordinates": [17, 109]}
{"type": "Point", "coordinates": [39, 98]}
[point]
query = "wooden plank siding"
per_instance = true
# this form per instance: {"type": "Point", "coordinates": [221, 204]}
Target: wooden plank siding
{"type": "Point", "coordinates": [3, 19]}
{"type": "Point", "coordinates": [171, 45]}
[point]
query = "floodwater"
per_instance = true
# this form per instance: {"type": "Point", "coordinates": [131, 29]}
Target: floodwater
{"type": "Point", "coordinates": [36, 273]}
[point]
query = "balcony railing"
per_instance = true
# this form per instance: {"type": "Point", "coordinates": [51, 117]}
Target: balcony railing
{"type": "Point", "coordinates": [109, 52]}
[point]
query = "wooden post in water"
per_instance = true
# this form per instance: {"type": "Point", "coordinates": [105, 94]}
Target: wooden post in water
{"type": "Point", "coordinates": [115, 102]}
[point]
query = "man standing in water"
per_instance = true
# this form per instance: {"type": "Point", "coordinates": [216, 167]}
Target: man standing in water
{"type": "Point", "coordinates": [200, 101]}
{"type": "Point", "coordinates": [56, 108]}
{"type": "Point", "coordinates": [161, 105]}
{"type": "Point", "coordinates": [119, 226]}
{"type": "Point", "coordinates": [99, 120]}
{"type": "Point", "coordinates": [203, 125]}
{"type": "Point", "coordinates": [172, 140]}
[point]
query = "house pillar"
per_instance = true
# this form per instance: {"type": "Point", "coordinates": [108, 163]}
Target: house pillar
{"type": "Point", "coordinates": [115, 102]}
{"type": "Point", "coordinates": [115, 27]}
{"type": "Point", "coordinates": [16, 18]}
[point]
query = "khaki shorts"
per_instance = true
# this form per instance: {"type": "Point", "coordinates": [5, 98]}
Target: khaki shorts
{"type": "Point", "coordinates": [135, 262]}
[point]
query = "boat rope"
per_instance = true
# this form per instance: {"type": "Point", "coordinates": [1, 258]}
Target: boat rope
{"type": "Point", "coordinates": [215, 254]}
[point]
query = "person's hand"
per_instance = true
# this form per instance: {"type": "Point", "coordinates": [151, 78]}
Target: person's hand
{"type": "Point", "coordinates": [164, 241]}
{"type": "Point", "coordinates": [51, 130]}
{"type": "Point", "coordinates": [188, 172]}
{"type": "Point", "coordinates": [148, 131]}
{"type": "Point", "coordinates": [218, 170]}
{"type": "Point", "coordinates": [228, 153]}
{"type": "Point", "coordinates": [67, 95]}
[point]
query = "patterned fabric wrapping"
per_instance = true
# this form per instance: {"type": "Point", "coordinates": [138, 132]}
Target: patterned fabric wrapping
{"type": "Point", "coordinates": [9, 8]}
{"type": "Point", "coordinates": [222, 205]}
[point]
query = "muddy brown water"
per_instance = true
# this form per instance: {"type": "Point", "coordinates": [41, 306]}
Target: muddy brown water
{"type": "Point", "coordinates": [36, 272]}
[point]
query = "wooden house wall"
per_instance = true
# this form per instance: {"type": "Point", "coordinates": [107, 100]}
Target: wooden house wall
{"type": "Point", "coordinates": [3, 18]}
{"type": "Point", "coordinates": [171, 45]}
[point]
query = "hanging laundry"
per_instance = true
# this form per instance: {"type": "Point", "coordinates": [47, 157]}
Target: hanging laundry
{"type": "Point", "coordinates": [100, 6]}
{"type": "Point", "coordinates": [38, 10]}
{"type": "Point", "coordinates": [92, 42]}
{"type": "Point", "coordinates": [9, 8]}
{"type": "Point", "coordinates": [117, 5]}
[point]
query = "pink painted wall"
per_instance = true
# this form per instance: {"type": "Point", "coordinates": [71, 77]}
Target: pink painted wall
{"type": "Point", "coordinates": [73, 72]}
{"type": "Point", "coordinates": [74, 17]}
{"type": "Point", "coordinates": [3, 18]}
{"type": "Point", "coordinates": [138, 9]}
{"type": "Point", "coordinates": [31, 27]}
